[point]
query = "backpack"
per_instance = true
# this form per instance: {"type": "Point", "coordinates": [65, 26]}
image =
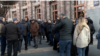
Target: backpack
{"type": "Point", "coordinates": [1, 25]}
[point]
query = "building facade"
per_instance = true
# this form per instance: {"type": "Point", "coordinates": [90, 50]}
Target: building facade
{"type": "Point", "coordinates": [51, 9]}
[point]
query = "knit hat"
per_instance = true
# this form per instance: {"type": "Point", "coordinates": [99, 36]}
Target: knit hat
{"type": "Point", "coordinates": [15, 19]}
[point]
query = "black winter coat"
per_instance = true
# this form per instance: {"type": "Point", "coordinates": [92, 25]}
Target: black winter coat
{"type": "Point", "coordinates": [25, 27]}
{"type": "Point", "coordinates": [49, 28]}
{"type": "Point", "coordinates": [92, 30]}
{"type": "Point", "coordinates": [11, 31]}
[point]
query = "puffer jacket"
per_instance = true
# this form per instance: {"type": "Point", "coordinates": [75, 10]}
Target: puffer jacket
{"type": "Point", "coordinates": [82, 39]}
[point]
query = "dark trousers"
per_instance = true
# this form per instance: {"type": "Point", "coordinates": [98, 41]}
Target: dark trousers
{"type": "Point", "coordinates": [87, 51]}
{"type": "Point", "coordinates": [55, 44]}
{"type": "Point", "coordinates": [19, 45]}
{"type": "Point", "coordinates": [29, 38]}
{"type": "Point", "coordinates": [40, 37]}
{"type": "Point", "coordinates": [73, 50]}
{"type": "Point", "coordinates": [26, 41]}
{"type": "Point", "coordinates": [35, 40]}
{"type": "Point", "coordinates": [3, 45]}
{"type": "Point", "coordinates": [47, 36]}
{"type": "Point", "coordinates": [12, 44]}
{"type": "Point", "coordinates": [51, 38]}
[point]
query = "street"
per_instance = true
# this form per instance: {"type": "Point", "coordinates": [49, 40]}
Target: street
{"type": "Point", "coordinates": [45, 50]}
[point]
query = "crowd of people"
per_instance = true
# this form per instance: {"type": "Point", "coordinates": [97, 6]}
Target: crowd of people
{"type": "Point", "coordinates": [72, 36]}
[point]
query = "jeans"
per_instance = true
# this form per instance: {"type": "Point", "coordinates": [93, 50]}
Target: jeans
{"type": "Point", "coordinates": [3, 45]}
{"type": "Point", "coordinates": [12, 44]}
{"type": "Point", "coordinates": [40, 36]}
{"type": "Point", "coordinates": [81, 51]}
{"type": "Point", "coordinates": [65, 45]}
{"type": "Point", "coordinates": [29, 38]}
{"type": "Point", "coordinates": [51, 39]}
{"type": "Point", "coordinates": [35, 40]}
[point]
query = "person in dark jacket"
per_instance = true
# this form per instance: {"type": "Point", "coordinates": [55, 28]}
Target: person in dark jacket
{"type": "Point", "coordinates": [28, 33]}
{"type": "Point", "coordinates": [56, 38]}
{"type": "Point", "coordinates": [25, 26]}
{"type": "Point", "coordinates": [3, 39]}
{"type": "Point", "coordinates": [40, 30]}
{"type": "Point", "coordinates": [34, 32]}
{"type": "Point", "coordinates": [92, 31]}
{"type": "Point", "coordinates": [21, 36]}
{"type": "Point", "coordinates": [49, 32]}
{"type": "Point", "coordinates": [12, 33]}
{"type": "Point", "coordinates": [73, 47]}
{"type": "Point", "coordinates": [65, 27]}
{"type": "Point", "coordinates": [45, 29]}
{"type": "Point", "coordinates": [90, 20]}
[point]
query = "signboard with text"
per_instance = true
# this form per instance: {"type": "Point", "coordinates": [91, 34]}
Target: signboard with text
{"type": "Point", "coordinates": [96, 3]}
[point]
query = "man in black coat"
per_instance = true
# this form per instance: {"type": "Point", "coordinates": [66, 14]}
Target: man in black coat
{"type": "Point", "coordinates": [92, 31]}
{"type": "Point", "coordinates": [12, 33]}
{"type": "Point", "coordinates": [65, 27]}
{"type": "Point", "coordinates": [45, 29]}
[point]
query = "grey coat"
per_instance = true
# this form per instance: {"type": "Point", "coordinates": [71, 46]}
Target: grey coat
{"type": "Point", "coordinates": [65, 27]}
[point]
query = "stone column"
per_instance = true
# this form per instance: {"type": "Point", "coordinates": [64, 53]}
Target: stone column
{"type": "Point", "coordinates": [29, 9]}
{"type": "Point", "coordinates": [18, 11]}
{"type": "Point", "coordinates": [68, 10]}
{"type": "Point", "coordinates": [59, 7]}
{"type": "Point", "coordinates": [33, 10]}
{"type": "Point", "coordinates": [72, 9]}
{"type": "Point", "coordinates": [42, 7]}
{"type": "Point", "coordinates": [62, 7]}
{"type": "Point", "coordinates": [48, 10]}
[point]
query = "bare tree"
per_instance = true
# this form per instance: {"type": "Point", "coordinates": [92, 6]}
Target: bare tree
{"type": "Point", "coordinates": [3, 10]}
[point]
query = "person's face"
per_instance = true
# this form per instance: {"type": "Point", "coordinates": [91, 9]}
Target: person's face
{"type": "Point", "coordinates": [86, 20]}
{"type": "Point", "coordinates": [3, 19]}
{"type": "Point", "coordinates": [16, 22]}
{"type": "Point", "coordinates": [49, 21]}
{"type": "Point", "coordinates": [32, 21]}
{"type": "Point", "coordinates": [61, 17]}
{"type": "Point", "coordinates": [25, 19]}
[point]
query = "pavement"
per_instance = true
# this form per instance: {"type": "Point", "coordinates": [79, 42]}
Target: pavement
{"type": "Point", "coordinates": [45, 50]}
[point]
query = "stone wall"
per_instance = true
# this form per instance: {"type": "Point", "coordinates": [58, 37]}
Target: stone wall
{"type": "Point", "coordinates": [94, 13]}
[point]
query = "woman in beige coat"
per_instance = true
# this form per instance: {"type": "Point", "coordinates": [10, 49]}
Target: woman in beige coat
{"type": "Point", "coordinates": [81, 36]}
